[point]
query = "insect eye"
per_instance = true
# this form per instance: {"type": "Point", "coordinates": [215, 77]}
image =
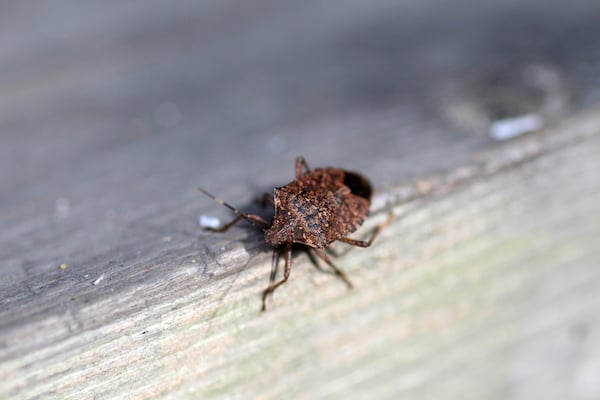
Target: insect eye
{"type": "Point", "coordinates": [358, 185]}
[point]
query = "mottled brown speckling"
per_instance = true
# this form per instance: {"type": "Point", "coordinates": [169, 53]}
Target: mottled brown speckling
{"type": "Point", "coordinates": [316, 209]}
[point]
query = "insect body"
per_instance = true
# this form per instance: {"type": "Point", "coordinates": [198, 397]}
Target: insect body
{"type": "Point", "coordinates": [316, 209]}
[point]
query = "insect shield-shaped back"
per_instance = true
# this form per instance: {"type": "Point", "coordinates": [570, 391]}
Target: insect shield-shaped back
{"type": "Point", "coordinates": [319, 207]}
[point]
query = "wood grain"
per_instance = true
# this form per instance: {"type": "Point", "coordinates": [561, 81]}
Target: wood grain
{"type": "Point", "coordinates": [484, 286]}
{"type": "Point", "coordinates": [476, 270]}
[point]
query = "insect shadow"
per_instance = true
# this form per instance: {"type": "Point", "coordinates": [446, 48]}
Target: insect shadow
{"type": "Point", "coordinates": [317, 208]}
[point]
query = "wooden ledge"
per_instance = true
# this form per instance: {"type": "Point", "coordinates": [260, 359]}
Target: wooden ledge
{"type": "Point", "coordinates": [481, 263]}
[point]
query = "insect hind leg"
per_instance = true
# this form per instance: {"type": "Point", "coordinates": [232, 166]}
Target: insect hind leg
{"type": "Point", "coordinates": [374, 233]}
{"type": "Point", "coordinates": [339, 273]}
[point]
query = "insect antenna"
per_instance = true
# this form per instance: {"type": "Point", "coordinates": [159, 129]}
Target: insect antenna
{"type": "Point", "coordinates": [253, 219]}
{"type": "Point", "coordinates": [220, 201]}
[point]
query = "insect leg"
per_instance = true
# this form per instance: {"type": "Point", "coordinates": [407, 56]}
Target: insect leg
{"type": "Point", "coordinates": [225, 227]}
{"type": "Point", "coordinates": [265, 200]}
{"type": "Point", "coordinates": [300, 162]}
{"type": "Point", "coordinates": [274, 259]}
{"type": "Point", "coordinates": [314, 261]}
{"type": "Point", "coordinates": [323, 256]}
{"type": "Point", "coordinates": [367, 243]}
{"type": "Point", "coordinates": [254, 219]}
{"type": "Point", "coordinates": [286, 274]}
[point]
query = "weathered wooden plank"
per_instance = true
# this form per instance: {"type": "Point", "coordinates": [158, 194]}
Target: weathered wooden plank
{"type": "Point", "coordinates": [482, 264]}
{"type": "Point", "coordinates": [485, 286]}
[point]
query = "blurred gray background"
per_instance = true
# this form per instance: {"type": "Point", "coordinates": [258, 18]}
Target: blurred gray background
{"type": "Point", "coordinates": [186, 91]}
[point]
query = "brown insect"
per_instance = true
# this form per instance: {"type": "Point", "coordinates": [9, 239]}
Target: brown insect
{"type": "Point", "coordinates": [317, 208]}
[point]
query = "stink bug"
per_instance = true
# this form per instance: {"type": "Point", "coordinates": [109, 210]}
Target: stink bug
{"type": "Point", "coordinates": [317, 208]}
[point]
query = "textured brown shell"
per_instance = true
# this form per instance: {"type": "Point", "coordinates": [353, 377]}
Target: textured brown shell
{"type": "Point", "coordinates": [319, 207]}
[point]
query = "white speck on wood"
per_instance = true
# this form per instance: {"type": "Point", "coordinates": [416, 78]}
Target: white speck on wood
{"type": "Point", "coordinates": [206, 221]}
{"type": "Point", "coordinates": [98, 280]}
{"type": "Point", "coordinates": [509, 128]}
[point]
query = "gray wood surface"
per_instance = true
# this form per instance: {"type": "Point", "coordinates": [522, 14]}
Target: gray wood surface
{"type": "Point", "coordinates": [486, 285]}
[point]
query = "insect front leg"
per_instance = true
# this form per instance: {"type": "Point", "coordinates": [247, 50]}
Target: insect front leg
{"type": "Point", "coordinates": [255, 219]}
{"type": "Point", "coordinates": [286, 274]}
{"type": "Point", "coordinates": [272, 276]}
{"type": "Point", "coordinates": [252, 218]}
